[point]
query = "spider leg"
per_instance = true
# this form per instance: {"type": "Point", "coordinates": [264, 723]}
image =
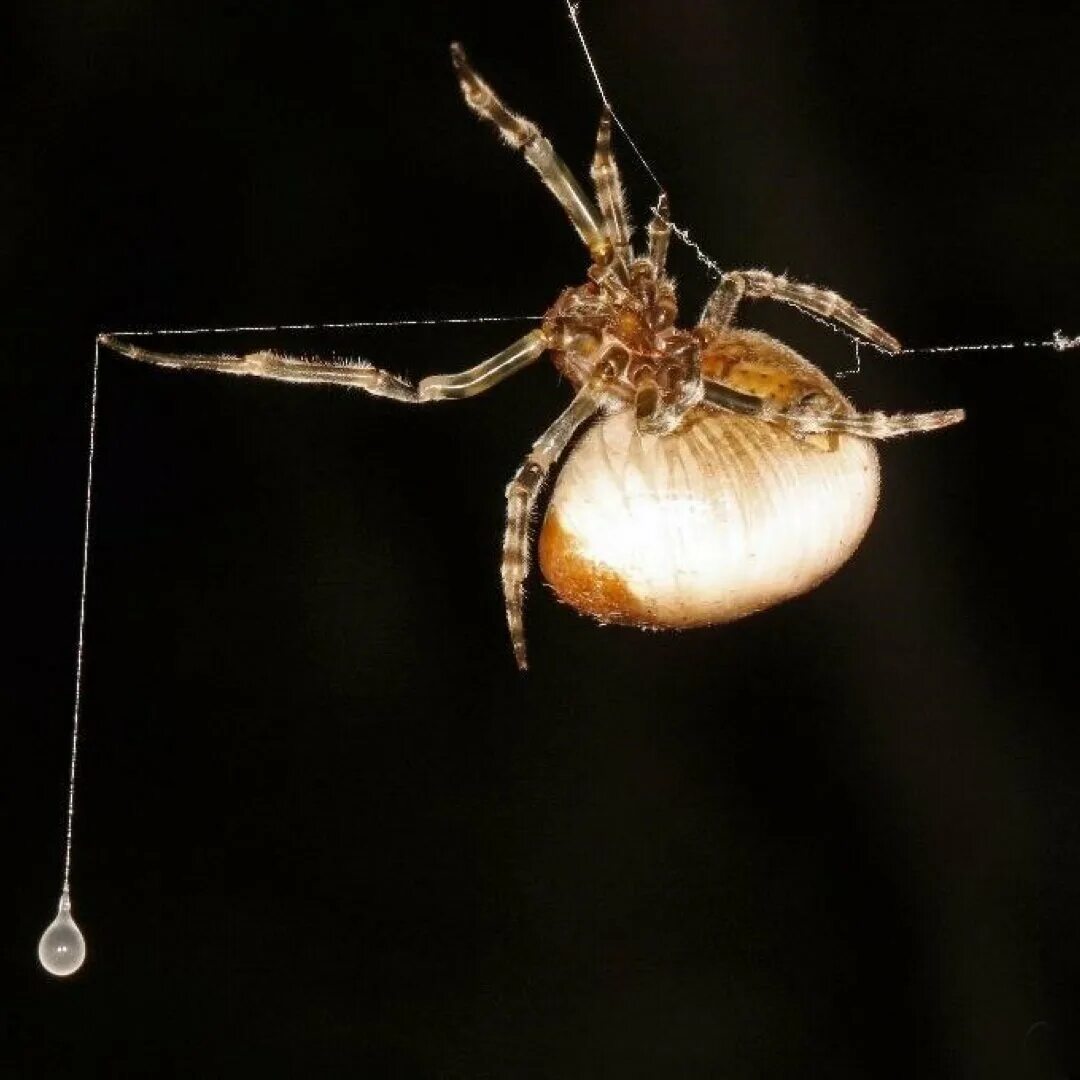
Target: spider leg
{"type": "Point", "coordinates": [871, 425]}
{"type": "Point", "coordinates": [738, 285]}
{"type": "Point", "coordinates": [359, 375]}
{"type": "Point", "coordinates": [659, 232]}
{"type": "Point", "coordinates": [609, 190]}
{"type": "Point", "coordinates": [487, 373]}
{"type": "Point", "coordinates": [813, 419]}
{"type": "Point", "coordinates": [521, 496]}
{"type": "Point", "coordinates": [524, 135]}
{"type": "Point", "coordinates": [272, 365]}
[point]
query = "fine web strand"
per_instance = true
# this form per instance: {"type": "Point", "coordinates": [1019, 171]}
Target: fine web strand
{"type": "Point", "coordinates": [1058, 341]}
{"type": "Point", "coordinates": [81, 640]}
{"type": "Point", "coordinates": [683, 234]}
{"type": "Point", "coordinates": [464, 320]}
{"type": "Point", "coordinates": [80, 650]}
{"type": "Point", "coordinates": [572, 11]}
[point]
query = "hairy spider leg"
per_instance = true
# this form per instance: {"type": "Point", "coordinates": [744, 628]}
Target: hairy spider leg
{"type": "Point", "coordinates": [353, 374]}
{"type": "Point", "coordinates": [738, 285]}
{"type": "Point", "coordinates": [609, 191]}
{"type": "Point", "coordinates": [273, 365]}
{"type": "Point", "coordinates": [810, 419]}
{"type": "Point", "coordinates": [522, 134]}
{"type": "Point", "coordinates": [659, 234]}
{"type": "Point", "coordinates": [521, 495]}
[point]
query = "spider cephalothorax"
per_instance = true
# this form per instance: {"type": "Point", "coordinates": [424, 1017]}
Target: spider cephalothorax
{"type": "Point", "coordinates": [724, 472]}
{"type": "Point", "coordinates": [621, 326]}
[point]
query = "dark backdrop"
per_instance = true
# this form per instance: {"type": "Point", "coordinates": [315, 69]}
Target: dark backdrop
{"type": "Point", "coordinates": [324, 827]}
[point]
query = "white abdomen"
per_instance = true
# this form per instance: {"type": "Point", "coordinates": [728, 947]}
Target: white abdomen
{"type": "Point", "coordinates": [724, 518]}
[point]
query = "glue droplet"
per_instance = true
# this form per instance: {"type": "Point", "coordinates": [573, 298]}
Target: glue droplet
{"type": "Point", "coordinates": [62, 947]}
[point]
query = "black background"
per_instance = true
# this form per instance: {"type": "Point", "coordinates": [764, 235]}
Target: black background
{"type": "Point", "coordinates": [324, 828]}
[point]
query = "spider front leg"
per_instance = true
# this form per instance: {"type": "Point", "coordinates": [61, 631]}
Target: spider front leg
{"type": "Point", "coordinates": [524, 135]}
{"type": "Point", "coordinates": [814, 417]}
{"type": "Point", "coordinates": [738, 285]}
{"type": "Point", "coordinates": [609, 191]}
{"type": "Point", "coordinates": [521, 496]}
{"type": "Point", "coordinates": [357, 375]}
{"type": "Point", "coordinates": [659, 234]}
{"type": "Point", "coordinates": [487, 373]}
{"type": "Point", "coordinates": [272, 365]}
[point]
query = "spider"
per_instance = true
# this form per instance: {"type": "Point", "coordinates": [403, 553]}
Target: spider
{"type": "Point", "coordinates": [724, 474]}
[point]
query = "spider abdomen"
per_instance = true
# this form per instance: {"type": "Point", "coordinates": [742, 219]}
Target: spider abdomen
{"type": "Point", "coordinates": [725, 517]}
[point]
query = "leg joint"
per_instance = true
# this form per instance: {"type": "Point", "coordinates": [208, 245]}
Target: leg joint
{"type": "Point", "coordinates": [527, 480]}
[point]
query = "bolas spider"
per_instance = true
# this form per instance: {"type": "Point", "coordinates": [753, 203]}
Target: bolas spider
{"type": "Point", "coordinates": [725, 473]}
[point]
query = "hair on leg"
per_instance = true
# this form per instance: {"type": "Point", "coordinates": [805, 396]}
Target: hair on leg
{"type": "Point", "coordinates": [738, 285]}
{"type": "Point", "coordinates": [521, 496]}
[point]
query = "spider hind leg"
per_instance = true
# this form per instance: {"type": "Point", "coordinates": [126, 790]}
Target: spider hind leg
{"type": "Point", "coordinates": [813, 417]}
{"type": "Point", "coordinates": [521, 495]}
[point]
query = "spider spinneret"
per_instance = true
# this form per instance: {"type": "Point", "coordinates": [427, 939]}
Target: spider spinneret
{"type": "Point", "coordinates": [724, 473]}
